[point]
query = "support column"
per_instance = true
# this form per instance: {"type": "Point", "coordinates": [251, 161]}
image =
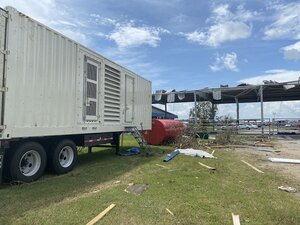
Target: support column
{"type": "Point", "coordinates": [237, 110]}
{"type": "Point", "coordinates": [195, 105]}
{"type": "Point", "coordinates": [166, 110]}
{"type": "Point", "coordinates": [261, 93]}
{"type": "Point", "coordinates": [213, 115]}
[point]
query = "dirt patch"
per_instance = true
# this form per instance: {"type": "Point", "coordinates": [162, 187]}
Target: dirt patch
{"type": "Point", "coordinates": [289, 149]}
{"type": "Point", "coordinates": [283, 148]}
{"type": "Point", "coordinates": [136, 189]}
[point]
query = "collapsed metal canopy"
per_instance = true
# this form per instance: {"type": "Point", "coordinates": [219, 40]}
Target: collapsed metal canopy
{"type": "Point", "coordinates": [287, 91]}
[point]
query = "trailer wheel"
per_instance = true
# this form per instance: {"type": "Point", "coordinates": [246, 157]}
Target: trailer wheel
{"type": "Point", "coordinates": [28, 162]}
{"type": "Point", "coordinates": [63, 156]}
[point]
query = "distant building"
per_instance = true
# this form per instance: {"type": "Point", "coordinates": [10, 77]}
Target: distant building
{"type": "Point", "coordinates": [158, 113]}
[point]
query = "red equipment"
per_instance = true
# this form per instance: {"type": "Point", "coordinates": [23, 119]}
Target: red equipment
{"type": "Point", "coordinates": [163, 130]}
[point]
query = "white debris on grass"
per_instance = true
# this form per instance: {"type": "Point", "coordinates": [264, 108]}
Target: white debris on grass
{"type": "Point", "coordinates": [284, 160]}
{"type": "Point", "coordinates": [197, 153]}
{"type": "Point", "coordinates": [288, 189]}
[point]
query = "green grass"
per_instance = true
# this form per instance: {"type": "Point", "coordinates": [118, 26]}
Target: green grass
{"type": "Point", "coordinates": [194, 194]}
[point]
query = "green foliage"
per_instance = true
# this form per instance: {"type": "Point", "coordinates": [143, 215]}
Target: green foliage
{"type": "Point", "coordinates": [203, 112]}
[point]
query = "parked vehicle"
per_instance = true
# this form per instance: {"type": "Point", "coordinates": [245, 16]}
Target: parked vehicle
{"type": "Point", "coordinates": [56, 94]}
{"type": "Point", "coordinates": [248, 126]}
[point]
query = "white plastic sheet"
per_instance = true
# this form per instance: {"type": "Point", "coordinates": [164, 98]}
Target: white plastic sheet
{"type": "Point", "coordinates": [283, 160]}
{"type": "Point", "coordinates": [194, 152]}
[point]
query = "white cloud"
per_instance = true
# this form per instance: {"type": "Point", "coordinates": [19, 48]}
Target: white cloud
{"type": "Point", "coordinates": [225, 26]}
{"type": "Point", "coordinates": [104, 20]}
{"type": "Point", "coordinates": [278, 75]}
{"type": "Point", "coordinates": [222, 12]}
{"type": "Point", "coordinates": [227, 61]}
{"type": "Point", "coordinates": [292, 51]}
{"type": "Point", "coordinates": [286, 23]}
{"type": "Point", "coordinates": [219, 33]}
{"type": "Point", "coordinates": [181, 18]}
{"type": "Point", "coordinates": [128, 35]}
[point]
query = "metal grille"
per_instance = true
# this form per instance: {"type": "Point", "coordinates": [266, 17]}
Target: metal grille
{"type": "Point", "coordinates": [112, 88]}
{"type": "Point", "coordinates": [91, 90]}
{"type": "Point", "coordinates": [91, 72]}
{"type": "Point", "coordinates": [91, 109]}
{"type": "Point", "coordinates": [92, 68]}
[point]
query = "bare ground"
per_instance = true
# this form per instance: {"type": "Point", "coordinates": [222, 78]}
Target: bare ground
{"type": "Point", "coordinates": [289, 147]}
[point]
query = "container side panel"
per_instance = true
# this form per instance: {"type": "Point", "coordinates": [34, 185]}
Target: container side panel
{"type": "Point", "coordinates": [45, 81]}
{"type": "Point", "coordinates": [142, 103]}
{"type": "Point", "coordinates": [42, 85]}
{"type": "Point", "coordinates": [2, 47]}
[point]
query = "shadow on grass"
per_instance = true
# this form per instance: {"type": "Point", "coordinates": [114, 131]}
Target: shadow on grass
{"type": "Point", "coordinates": [92, 170]}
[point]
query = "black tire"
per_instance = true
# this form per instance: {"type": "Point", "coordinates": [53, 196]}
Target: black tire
{"type": "Point", "coordinates": [28, 162]}
{"type": "Point", "coordinates": [60, 158]}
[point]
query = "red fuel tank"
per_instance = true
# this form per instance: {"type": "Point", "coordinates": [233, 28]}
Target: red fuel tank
{"type": "Point", "coordinates": [163, 130]}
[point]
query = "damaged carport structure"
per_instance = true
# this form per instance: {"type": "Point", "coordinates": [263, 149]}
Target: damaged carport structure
{"type": "Point", "coordinates": [268, 92]}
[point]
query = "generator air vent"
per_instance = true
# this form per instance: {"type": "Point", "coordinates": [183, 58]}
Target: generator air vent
{"type": "Point", "coordinates": [112, 87]}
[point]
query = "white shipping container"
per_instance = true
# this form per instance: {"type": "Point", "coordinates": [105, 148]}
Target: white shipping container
{"type": "Point", "coordinates": [56, 94]}
{"type": "Point", "coordinates": [56, 86]}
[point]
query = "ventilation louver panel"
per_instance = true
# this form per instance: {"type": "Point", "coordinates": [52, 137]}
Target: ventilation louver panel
{"type": "Point", "coordinates": [112, 83]}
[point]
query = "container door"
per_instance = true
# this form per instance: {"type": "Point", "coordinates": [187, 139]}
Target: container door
{"type": "Point", "coordinates": [129, 98]}
{"type": "Point", "coordinates": [2, 53]}
{"type": "Point", "coordinates": [92, 69]}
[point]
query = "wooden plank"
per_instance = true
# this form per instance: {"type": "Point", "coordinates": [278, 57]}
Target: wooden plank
{"type": "Point", "coordinates": [101, 215]}
{"type": "Point", "coordinates": [253, 167]}
{"type": "Point", "coordinates": [161, 166]}
{"type": "Point", "coordinates": [236, 219]}
{"type": "Point", "coordinates": [206, 166]}
{"type": "Point", "coordinates": [169, 211]}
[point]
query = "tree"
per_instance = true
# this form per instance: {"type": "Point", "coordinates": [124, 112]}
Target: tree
{"type": "Point", "coordinates": [203, 112]}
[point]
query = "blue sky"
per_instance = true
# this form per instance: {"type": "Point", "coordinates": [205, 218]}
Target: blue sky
{"type": "Point", "coordinates": [186, 44]}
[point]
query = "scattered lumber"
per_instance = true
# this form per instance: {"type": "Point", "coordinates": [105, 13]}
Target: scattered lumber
{"type": "Point", "coordinates": [236, 219]}
{"type": "Point", "coordinates": [169, 211]}
{"type": "Point", "coordinates": [284, 160]}
{"type": "Point", "coordinates": [253, 167]}
{"type": "Point", "coordinates": [161, 166]}
{"type": "Point", "coordinates": [206, 166]}
{"type": "Point", "coordinates": [101, 215]}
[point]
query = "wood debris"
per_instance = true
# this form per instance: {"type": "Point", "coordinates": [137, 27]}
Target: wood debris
{"type": "Point", "coordinates": [253, 167]}
{"type": "Point", "coordinates": [101, 215]}
{"type": "Point", "coordinates": [169, 211]}
{"type": "Point", "coordinates": [236, 219]}
{"type": "Point", "coordinates": [161, 166]}
{"type": "Point", "coordinates": [206, 166]}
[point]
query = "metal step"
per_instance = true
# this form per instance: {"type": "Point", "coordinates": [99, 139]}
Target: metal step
{"type": "Point", "coordinates": [139, 138]}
